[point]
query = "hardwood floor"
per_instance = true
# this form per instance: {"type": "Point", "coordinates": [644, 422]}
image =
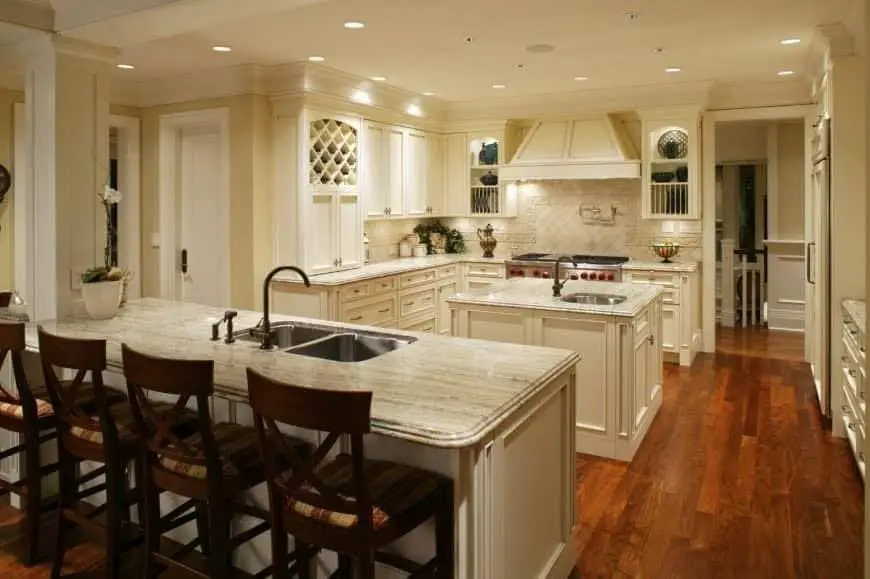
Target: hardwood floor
{"type": "Point", "coordinates": [760, 342]}
{"type": "Point", "coordinates": [736, 479]}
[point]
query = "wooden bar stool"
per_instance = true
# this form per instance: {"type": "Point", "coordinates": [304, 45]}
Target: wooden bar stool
{"type": "Point", "coordinates": [33, 419]}
{"type": "Point", "coordinates": [103, 432]}
{"type": "Point", "coordinates": [212, 467]}
{"type": "Point", "coordinates": [349, 505]}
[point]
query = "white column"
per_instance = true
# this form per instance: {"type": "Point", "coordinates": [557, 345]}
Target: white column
{"type": "Point", "coordinates": [728, 289]}
{"type": "Point", "coordinates": [67, 100]}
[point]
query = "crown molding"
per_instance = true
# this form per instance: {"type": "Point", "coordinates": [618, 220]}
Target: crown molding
{"type": "Point", "coordinates": [838, 39]}
{"type": "Point", "coordinates": [199, 85]}
{"type": "Point", "coordinates": [44, 44]}
{"type": "Point", "coordinates": [754, 94]}
{"type": "Point", "coordinates": [36, 14]}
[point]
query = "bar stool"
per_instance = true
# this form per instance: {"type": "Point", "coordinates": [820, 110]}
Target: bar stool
{"type": "Point", "coordinates": [33, 419]}
{"type": "Point", "coordinates": [212, 467]}
{"type": "Point", "coordinates": [322, 502]}
{"type": "Point", "coordinates": [103, 432]}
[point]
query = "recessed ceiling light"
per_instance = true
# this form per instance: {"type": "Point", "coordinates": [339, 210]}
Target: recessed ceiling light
{"type": "Point", "coordinates": [498, 85]}
{"type": "Point", "coordinates": [221, 48]}
{"type": "Point", "coordinates": [581, 78]}
{"type": "Point", "coordinates": [633, 16]}
{"type": "Point", "coordinates": [316, 59]}
{"type": "Point", "coordinates": [362, 97]}
{"type": "Point", "coordinates": [429, 93]}
{"type": "Point", "coordinates": [540, 48]}
{"type": "Point", "coordinates": [790, 41]}
{"type": "Point", "coordinates": [414, 110]}
{"type": "Point", "coordinates": [672, 69]}
{"type": "Point", "coordinates": [379, 78]}
{"type": "Point", "coordinates": [125, 66]}
{"type": "Point", "coordinates": [658, 50]}
{"type": "Point", "coordinates": [785, 73]}
{"type": "Point", "coordinates": [354, 25]}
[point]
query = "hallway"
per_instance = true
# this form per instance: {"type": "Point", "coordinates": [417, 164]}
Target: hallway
{"type": "Point", "coordinates": [736, 479]}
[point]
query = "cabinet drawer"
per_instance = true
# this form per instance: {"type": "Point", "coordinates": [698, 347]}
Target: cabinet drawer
{"type": "Point", "coordinates": [356, 291]}
{"type": "Point", "coordinates": [490, 270]}
{"type": "Point", "coordinates": [855, 435]}
{"type": "Point", "coordinates": [416, 302]}
{"type": "Point", "coordinates": [415, 278]}
{"type": "Point", "coordinates": [448, 271]}
{"type": "Point", "coordinates": [383, 285]}
{"type": "Point", "coordinates": [669, 284]}
{"type": "Point", "coordinates": [424, 324]}
{"type": "Point", "coordinates": [381, 312]}
{"type": "Point", "coordinates": [477, 283]}
{"type": "Point", "coordinates": [852, 336]}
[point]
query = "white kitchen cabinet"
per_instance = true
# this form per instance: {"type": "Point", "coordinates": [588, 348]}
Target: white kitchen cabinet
{"type": "Point", "coordinates": [671, 328]}
{"type": "Point", "coordinates": [851, 375]}
{"type": "Point", "coordinates": [436, 171]}
{"type": "Point", "coordinates": [477, 275]}
{"type": "Point", "coordinates": [456, 185]}
{"type": "Point", "coordinates": [415, 174]}
{"type": "Point", "coordinates": [395, 171]}
{"type": "Point", "coordinates": [643, 342]}
{"type": "Point", "coordinates": [445, 290]}
{"type": "Point", "coordinates": [671, 146]}
{"type": "Point", "coordinates": [375, 156]}
{"type": "Point", "coordinates": [335, 241]}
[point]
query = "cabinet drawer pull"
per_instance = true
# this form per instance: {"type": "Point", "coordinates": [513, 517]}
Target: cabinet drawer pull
{"type": "Point", "coordinates": [429, 299]}
{"type": "Point", "coordinates": [852, 426]}
{"type": "Point", "coordinates": [861, 455]}
{"type": "Point", "coordinates": [427, 329]}
{"type": "Point", "coordinates": [408, 304]}
{"type": "Point", "coordinates": [846, 409]}
{"type": "Point", "coordinates": [383, 311]}
{"type": "Point", "coordinates": [356, 291]}
{"type": "Point", "coordinates": [356, 318]}
{"type": "Point", "coordinates": [851, 373]}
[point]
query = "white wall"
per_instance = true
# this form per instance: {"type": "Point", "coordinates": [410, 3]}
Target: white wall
{"type": "Point", "coordinates": [791, 186]}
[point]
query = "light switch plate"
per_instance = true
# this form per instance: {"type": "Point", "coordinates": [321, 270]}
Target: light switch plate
{"type": "Point", "coordinates": [155, 240]}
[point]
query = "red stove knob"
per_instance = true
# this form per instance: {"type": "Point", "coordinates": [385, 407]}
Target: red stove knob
{"type": "Point", "coordinates": [546, 275]}
{"type": "Point", "coordinates": [584, 275]}
{"type": "Point", "coordinates": [515, 272]}
{"type": "Point", "coordinates": [521, 273]}
{"type": "Point", "coordinates": [610, 277]}
{"type": "Point", "coordinates": [594, 275]}
{"type": "Point", "coordinates": [536, 273]}
{"type": "Point", "coordinates": [573, 276]}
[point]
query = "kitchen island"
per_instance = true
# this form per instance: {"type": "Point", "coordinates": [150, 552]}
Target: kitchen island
{"type": "Point", "coordinates": [619, 340]}
{"type": "Point", "coordinates": [497, 418]}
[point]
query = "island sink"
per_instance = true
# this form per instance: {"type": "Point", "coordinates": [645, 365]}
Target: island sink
{"type": "Point", "coordinates": [286, 334]}
{"type": "Point", "coordinates": [594, 299]}
{"type": "Point", "coordinates": [350, 347]}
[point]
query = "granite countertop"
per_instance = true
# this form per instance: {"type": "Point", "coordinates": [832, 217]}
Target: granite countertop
{"type": "Point", "coordinates": [682, 266]}
{"type": "Point", "coordinates": [14, 314]}
{"type": "Point", "coordinates": [857, 311]}
{"type": "Point", "coordinates": [392, 267]}
{"type": "Point", "coordinates": [439, 391]}
{"type": "Point", "coordinates": [538, 294]}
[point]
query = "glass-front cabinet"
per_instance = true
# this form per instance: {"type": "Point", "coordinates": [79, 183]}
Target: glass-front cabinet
{"type": "Point", "coordinates": [671, 173]}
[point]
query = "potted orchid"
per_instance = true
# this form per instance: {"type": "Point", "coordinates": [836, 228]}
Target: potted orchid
{"type": "Point", "coordinates": [103, 286]}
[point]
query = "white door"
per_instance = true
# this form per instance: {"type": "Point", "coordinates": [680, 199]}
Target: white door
{"type": "Point", "coordinates": [374, 170]}
{"type": "Point", "coordinates": [321, 243]}
{"type": "Point", "coordinates": [671, 328]}
{"type": "Point", "coordinates": [415, 174]}
{"type": "Point", "coordinates": [203, 226]}
{"type": "Point", "coordinates": [457, 200]}
{"type": "Point", "coordinates": [436, 171]}
{"type": "Point", "coordinates": [396, 172]}
{"type": "Point", "coordinates": [351, 252]}
{"type": "Point", "coordinates": [818, 310]}
{"type": "Point", "coordinates": [444, 292]}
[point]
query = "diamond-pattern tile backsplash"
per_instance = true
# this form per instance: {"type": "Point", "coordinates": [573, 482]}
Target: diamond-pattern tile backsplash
{"type": "Point", "coordinates": [558, 216]}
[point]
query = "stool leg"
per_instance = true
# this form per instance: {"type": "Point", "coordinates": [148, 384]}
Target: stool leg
{"type": "Point", "coordinates": [116, 488]}
{"type": "Point", "coordinates": [220, 517]}
{"type": "Point", "coordinates": [67, 479]}
{"type": "Point", "coordinates": [280, 556]}
{"type": "Point", "coordinates": [365, 566]}
{"type": "Point", "coordinates": [444, 529]}
{"type": "Point", "coordinates": [202, 528]}
{"type": "Point", "coordinates": [303, 563]}
{"type": "Point", "coordinates": [34, 496]}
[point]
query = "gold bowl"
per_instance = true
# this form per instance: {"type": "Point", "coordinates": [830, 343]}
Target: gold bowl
{"type": "Point", "coordinates": [665, 250]}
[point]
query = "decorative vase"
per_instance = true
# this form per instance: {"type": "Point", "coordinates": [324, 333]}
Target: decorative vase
{"type": "Point", "coordinates": [102, 298]}
{"type": "Point", "coordinates": [487, 240]}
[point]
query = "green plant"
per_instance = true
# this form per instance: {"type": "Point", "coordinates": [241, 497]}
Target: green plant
{"type": "Point", "coordinates": [454, 242]}
{"type": "Point", "coordinates": [98, 274]}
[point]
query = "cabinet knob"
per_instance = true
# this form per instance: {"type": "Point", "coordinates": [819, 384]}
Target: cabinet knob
{"type": "Point", "coordinates": [652, 340]}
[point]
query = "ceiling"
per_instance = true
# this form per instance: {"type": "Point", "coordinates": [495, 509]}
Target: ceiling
{"type": "Point", "coordinates": [423, 46]}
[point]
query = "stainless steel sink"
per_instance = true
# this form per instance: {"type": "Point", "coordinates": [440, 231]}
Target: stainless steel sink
{"type": "Point", "coordinates": [350, 347]}
{"type": "Point", "coordinates": [287, 334]}
{"type": "Point", "coordinates": [594, 299]}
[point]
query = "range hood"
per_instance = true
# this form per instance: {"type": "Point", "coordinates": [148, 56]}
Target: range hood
{"type": "Point", "coordinates": [574, 149]}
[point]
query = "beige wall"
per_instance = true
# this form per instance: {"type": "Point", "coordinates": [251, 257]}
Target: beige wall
{"type": "Point", "coordinates": [250, 193]}
{"type": "Point", "coordinates": [791, 173]}
{"type": "Point", "coordinates": [743, 141]}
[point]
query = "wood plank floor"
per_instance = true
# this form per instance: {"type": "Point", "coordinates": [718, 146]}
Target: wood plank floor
{"type": "Point", "coordinates": [736, 479]}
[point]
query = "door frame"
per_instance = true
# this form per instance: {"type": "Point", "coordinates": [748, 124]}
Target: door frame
{"type": "Point", "coordinates": [170, 128]}
{"type": "Point", "coordinates": [129, 209]}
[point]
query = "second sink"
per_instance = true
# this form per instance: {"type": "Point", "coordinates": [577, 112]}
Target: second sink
{"type": "Point", "coordinates": [349, 347]}
{"type": "Point", "coordinates": [594, 299]}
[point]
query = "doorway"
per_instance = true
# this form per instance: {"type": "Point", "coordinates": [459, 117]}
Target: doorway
{"type": "Point", "coordinates": [194, 207]}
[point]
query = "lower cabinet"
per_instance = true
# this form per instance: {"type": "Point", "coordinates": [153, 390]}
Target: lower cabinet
{"type": "Point", "coordinates": [446, 288]}
{"type": "Point", "coordinates": [852, 379]}
{"type": "Point", "coordinates": [671, 328]}
{"type": "Point", "coordinates": [476, 275]}
{"type": "Point", "coordinates": [619, 377]}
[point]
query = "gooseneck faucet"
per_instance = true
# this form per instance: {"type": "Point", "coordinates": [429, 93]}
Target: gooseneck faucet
{"type": "Point", "coordinates": [559, 283]}
{"type": "Point", "coordinates": [266, 324]}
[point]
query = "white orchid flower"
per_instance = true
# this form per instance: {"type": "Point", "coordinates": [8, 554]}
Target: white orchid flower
{"type": "Point", "coordinates": [110, 196]}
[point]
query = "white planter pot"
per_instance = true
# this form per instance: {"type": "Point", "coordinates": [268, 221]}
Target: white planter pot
{"type": "Point", "coordinates": [102, 299]}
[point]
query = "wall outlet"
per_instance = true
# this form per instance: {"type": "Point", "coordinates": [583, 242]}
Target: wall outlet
{"type": "Point", "coordinates": [155, 240]}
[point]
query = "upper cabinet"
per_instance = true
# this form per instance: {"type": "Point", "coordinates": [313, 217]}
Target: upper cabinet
{"type": "Point", "coordinates": [332, 153]}
{"type": "Point", "coordinates": [671, 175]}
{"type": "Point", "coordinates": [416, 178]}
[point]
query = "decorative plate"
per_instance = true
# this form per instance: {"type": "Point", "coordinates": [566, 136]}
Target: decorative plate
{"type": "Point", "coordinates": [5, 182]}
{"type": "Point", "coordinates": [674, 144]}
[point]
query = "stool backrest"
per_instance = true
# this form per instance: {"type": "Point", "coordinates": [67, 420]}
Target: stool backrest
{"type": "Point", "coordinates": [182, 379]}
{"type": "Point", "coordinates": [84, 356]}
{"type": "Point", "coordinates": [5, 299]}
{"type": "Point", "coordinates": [12, 344]}
{"type": "Point", "coordinates": [335, 412]}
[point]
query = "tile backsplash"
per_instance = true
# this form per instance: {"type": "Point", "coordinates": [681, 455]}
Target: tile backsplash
{"type": "Point", "coordinates": [556, 216]}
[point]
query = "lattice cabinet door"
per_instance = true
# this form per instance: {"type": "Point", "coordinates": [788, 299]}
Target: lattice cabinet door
{"type": "Point", "coordinates": [333, 154]}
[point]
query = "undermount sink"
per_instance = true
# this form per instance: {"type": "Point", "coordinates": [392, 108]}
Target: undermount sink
{"type": "Point", "coordinates": [350, 347]}
{"type": "Point", "coordinates": [594, 299]}
{"type": "Point", "coordinates": [287, 334]}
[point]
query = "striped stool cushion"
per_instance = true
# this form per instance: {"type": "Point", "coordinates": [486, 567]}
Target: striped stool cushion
{"type": "Point", "coordinates": [16, 410]}
{"type": "Point", "coordinates": [238, 449]}
{"type": "Point", "coordinates": [394, 489]}
{"type": "Point", "coordinates": [124, 422]}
